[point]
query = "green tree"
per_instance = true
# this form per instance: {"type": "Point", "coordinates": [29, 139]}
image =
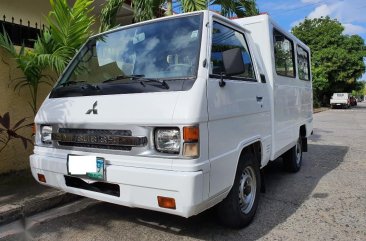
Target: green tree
{"type": "Point", "coordinates": [337, 59]}
{"type": "Point", "coordinates": [149, 9]}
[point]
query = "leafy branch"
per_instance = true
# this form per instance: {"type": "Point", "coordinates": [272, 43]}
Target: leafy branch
{"type": "Point", "coordinates": [8, 133]}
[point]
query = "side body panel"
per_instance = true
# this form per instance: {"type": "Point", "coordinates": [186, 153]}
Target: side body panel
{"type": "Point", "coordinates": [292, 104]}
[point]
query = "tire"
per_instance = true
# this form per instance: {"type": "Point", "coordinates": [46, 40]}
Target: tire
{"type": "Point", "coordinates": [292, 159]}
{"type": "Point", "coordinates": [237, 210]}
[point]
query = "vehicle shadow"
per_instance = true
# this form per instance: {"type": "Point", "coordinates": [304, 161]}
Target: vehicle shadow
{"type": "Point", "coordinates": [361, 105]}
{"type": "Point", "coordinates": [282, 199]}
{"type": "Point", "coordinates": [318, 134]}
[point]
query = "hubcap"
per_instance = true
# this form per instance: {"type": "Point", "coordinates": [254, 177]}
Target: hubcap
{"type": "Point", "coordinates": [247, 190]}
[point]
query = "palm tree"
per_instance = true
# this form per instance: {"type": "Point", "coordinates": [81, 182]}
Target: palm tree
{"type": "Point", "coordinates": [69, 28]}
{"type": "Point", "coordinates": [27, 63]}
{"type": "Point", "coordinates": [108, 14]}
{"type": "Point", "coordinates": [240, 8]}
{"type": "Point", "coordinates": [148, 9]}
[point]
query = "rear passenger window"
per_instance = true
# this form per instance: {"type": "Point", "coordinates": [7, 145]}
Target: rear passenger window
{"type": "Point", "coordinates": [284, 54]}
{"type": "Point", "coordinates": [303, 63]}
{"type": "Point", "coordinates": [225, 38]}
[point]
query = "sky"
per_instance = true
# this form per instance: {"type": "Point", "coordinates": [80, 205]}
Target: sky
{"type": "Point", "coordinates": [287, 13]}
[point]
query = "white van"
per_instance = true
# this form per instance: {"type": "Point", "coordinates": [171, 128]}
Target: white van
{"type": "Point", "coordinates": [177, 114]}
{"type": "Point", "coordinates": [340, 99]}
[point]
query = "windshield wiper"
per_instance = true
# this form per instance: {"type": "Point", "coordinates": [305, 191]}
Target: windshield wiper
{"type": "Point", "coordinates": [72, 82]}
{"type": "Point", "coordinates": [139, 77]}
{"type": "Point", "coordinates": [121, 77]}
{"type": "Point", "coordinates": [84, 85]}
{"type": "Point", "coordinates": [160, 81]}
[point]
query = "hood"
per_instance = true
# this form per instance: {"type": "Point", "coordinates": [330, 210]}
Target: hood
{"type": "Point", "coordinates": [122, 109]}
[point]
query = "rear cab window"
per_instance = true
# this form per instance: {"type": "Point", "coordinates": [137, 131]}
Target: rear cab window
{"type": "Point", "coordinates": [303, 66]}
{"type": "Point", "coordinates": [284, 54]}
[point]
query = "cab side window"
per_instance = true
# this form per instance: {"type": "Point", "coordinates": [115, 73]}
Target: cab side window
{"type": "Point", "coordinates": [225, 38]}
{"type": "Point", "coordinates": [303, 64]}
{"type": "Point", "coordinates": [284, 54]}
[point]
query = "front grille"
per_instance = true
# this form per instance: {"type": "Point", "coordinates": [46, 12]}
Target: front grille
{"type": "Point", "coordinates": [98, 138]}
{"type": "Point", "coordinates": [107, 147]}
{"type": "Point", "coordinates": [95, 132]}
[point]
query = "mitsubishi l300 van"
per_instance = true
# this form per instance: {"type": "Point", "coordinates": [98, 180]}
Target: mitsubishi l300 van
{"type": "Point", "coordinates": [177, 114]}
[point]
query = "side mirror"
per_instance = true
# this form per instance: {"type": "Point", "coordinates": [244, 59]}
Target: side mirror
{"type": "Point", "coordinates": [233, 62]}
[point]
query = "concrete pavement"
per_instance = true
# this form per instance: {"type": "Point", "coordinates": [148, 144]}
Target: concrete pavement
{"type": "Point", "coordinates": [22, 196]}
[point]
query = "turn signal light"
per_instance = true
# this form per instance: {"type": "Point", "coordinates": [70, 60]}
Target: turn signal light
{"type": "Point", "coordinates": [41, 178]}
{"type": "Point", "coordinates": [191, 133]}
{"type": "Point", "coordinates": [33, 129]}
{"type": "Point", "coordinates": [166, 202]}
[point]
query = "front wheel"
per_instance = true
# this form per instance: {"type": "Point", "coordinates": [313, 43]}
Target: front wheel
{"type": "Point", "coordinates": [237, 210]}
{"type": "Point", "coordinates": [293, 158]}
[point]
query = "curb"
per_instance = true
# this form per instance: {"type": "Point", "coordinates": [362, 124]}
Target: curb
{"type": "Point", "coordinates": [40, 203]}
{"type": "Point", "coordinates": [320, 109]}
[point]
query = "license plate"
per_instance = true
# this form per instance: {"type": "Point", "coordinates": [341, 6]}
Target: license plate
{"type": "Point", "coordinates": [91, 167]}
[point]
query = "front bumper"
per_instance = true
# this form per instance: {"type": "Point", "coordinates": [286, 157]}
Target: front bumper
{"type": "Point", "coordinates": [139, 187]}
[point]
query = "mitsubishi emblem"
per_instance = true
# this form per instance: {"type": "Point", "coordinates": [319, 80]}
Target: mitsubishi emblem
{"type": "Point", "coordinates": [94, 109]}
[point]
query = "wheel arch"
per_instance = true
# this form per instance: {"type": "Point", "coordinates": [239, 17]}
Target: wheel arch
{"type": "Point", "coordinates": [255, 148]}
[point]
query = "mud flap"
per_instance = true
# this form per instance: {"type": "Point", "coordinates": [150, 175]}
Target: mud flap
{"type": "Point", "coordinates": [304, 143]}
{"type": "Point", "coordinates": [263, 183]}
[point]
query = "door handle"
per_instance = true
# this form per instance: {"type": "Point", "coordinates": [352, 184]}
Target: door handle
{"type": "Point", "coordinates": [259, 98]}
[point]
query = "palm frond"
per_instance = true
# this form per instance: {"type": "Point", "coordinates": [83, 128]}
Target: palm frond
{"type": "Point", "coordinates": [193, 5]}
{"type": "Point", "coordinates": [250, 7]}
{"type": "Point", "coordinates": [239, 8]}
{"type": "Point", "coordinates": [146, 9]}
{"type": "Point", "coordinates": [70, 26]}
{"type": "Point", "coordinates": [56, 60]}
{"type": "Point", "coordinates": [108, 14]}
{"type": "Point", "coordinates": [6, 43]}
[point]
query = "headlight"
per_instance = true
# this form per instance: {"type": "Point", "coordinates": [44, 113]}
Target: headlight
{"type": "Point", "coordinates": [46, 132]}
{"type": "Point", "coordinates": [167, 140]}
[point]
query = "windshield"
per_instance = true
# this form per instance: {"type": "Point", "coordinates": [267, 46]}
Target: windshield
{"type": "Point", "coordinates": [157, 56]}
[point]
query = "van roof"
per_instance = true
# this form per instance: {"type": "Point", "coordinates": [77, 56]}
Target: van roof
{"type": "Point", "coordinates": [267, 18]}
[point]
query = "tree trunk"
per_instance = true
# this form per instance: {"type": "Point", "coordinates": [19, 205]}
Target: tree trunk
{"type": "Point", "coordinates": [169, 7]}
